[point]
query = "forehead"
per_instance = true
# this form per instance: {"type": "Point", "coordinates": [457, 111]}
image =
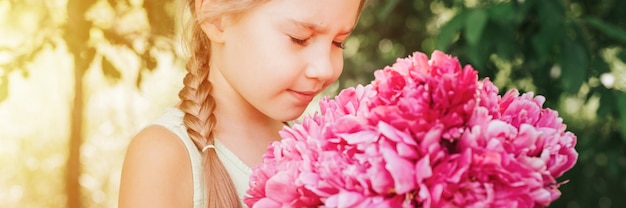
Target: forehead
{"type": "Point", "coordinates": [319, 14]}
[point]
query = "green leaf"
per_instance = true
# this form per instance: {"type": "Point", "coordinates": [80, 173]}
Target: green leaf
{"type": "Point", "coordinates": [387, 9]}
{"type": "Point", "coordinates": [573, 64]}
{"type": "Point", "coordinates": [609, 30]}
{"type": "Point", "coordinates": [503, 14]}
{"type": "Point", "coordinates": [621, 108]}
{"type": "Point", "coordinates": [474, 26]}
{"type": "Point", "coordinates": [607, 101]}
{"type": "Point", "coordinates": [598, 66]}
{"type": "Point", "coordinates": [448, 3]}
{"type": "Point", "coordinates": [622, 55]}
{"type": "Point", "coordinates": [4, 88]}
{"type": "Point", "coordinates": [504, 43]}
{"type": "Point", "coordinates": [476, 56]}
{"type": "Point", "coordinates": [449, 30]}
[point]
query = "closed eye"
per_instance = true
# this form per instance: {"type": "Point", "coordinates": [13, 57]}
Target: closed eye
{"type": "Point", "coordinates": [301, 42]}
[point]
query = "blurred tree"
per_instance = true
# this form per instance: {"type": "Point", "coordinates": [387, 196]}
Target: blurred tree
{"type": "Point", "coordinates": [77, 33]}
{"type": "Point", "coordinates": [142, 42]}
{"type": "Point", "coordinates": [17, 49]}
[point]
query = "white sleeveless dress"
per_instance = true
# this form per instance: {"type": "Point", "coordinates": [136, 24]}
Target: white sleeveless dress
{"type": "Point", "coordinates": [172, 119]}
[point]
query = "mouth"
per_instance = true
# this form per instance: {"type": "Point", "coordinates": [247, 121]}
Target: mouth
{"type": "Point", "coordinates": [303, 96]}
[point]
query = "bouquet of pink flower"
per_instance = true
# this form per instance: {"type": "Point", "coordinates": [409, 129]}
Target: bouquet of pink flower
{"type": "Point", "coordinates": [424, 133]}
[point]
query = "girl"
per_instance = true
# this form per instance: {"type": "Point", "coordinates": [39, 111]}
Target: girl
{"type": "Point", "coordinates": [254, 65]}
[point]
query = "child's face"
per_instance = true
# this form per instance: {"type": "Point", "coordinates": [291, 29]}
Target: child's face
{"type": "Point", "coordinates": [280, 55]}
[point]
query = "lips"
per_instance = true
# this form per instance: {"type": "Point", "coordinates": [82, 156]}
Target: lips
{"type": "Point", "coordinates": [304, 96]}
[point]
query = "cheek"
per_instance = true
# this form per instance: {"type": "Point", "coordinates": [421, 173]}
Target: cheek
{"type": "Point", "coordinates": [247, 55]}
{"type": "Point", "coordinates": [337, 63]}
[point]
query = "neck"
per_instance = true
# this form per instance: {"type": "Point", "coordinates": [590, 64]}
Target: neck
{"type": "Point", "coordinates": [243, 124]}
{"type": "Point", "coordinates": [240, 126]}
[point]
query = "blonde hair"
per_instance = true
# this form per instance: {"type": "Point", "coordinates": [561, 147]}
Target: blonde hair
{"type": "Point", "coordinates": [198, 103]}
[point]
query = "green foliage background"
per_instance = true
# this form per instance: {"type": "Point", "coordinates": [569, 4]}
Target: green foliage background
{"type": "Point", "coordinates": [570, 51]}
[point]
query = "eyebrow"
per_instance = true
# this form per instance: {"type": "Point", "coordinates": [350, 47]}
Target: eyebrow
{"type": "Point", "coordinates": [315, 27]}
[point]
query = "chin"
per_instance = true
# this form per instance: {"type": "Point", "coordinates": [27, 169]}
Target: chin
{"type": "Point", "coordinates": [289, 115]}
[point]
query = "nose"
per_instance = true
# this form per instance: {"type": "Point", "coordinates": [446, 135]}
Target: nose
{"type": "Point", "coordinates": [323, 63]}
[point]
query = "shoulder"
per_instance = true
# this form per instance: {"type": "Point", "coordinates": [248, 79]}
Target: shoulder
{"type": "Point", "coordinates": [156, 142]}
{"type": "Point", "coordinates": [156, 171]}
{"type": "Point", "coordinates": [156, 145]}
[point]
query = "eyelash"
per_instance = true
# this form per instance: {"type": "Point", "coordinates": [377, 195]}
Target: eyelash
{"type": "Point", "coordinates": [298, 41]}
{"type": "Point", "coordinates": [302, 42]}
{"type": "Point", "coordinates": [339, 44]}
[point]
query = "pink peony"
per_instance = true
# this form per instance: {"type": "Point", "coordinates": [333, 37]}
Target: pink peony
{"type": "Point", "coordinates": [424, 133]}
